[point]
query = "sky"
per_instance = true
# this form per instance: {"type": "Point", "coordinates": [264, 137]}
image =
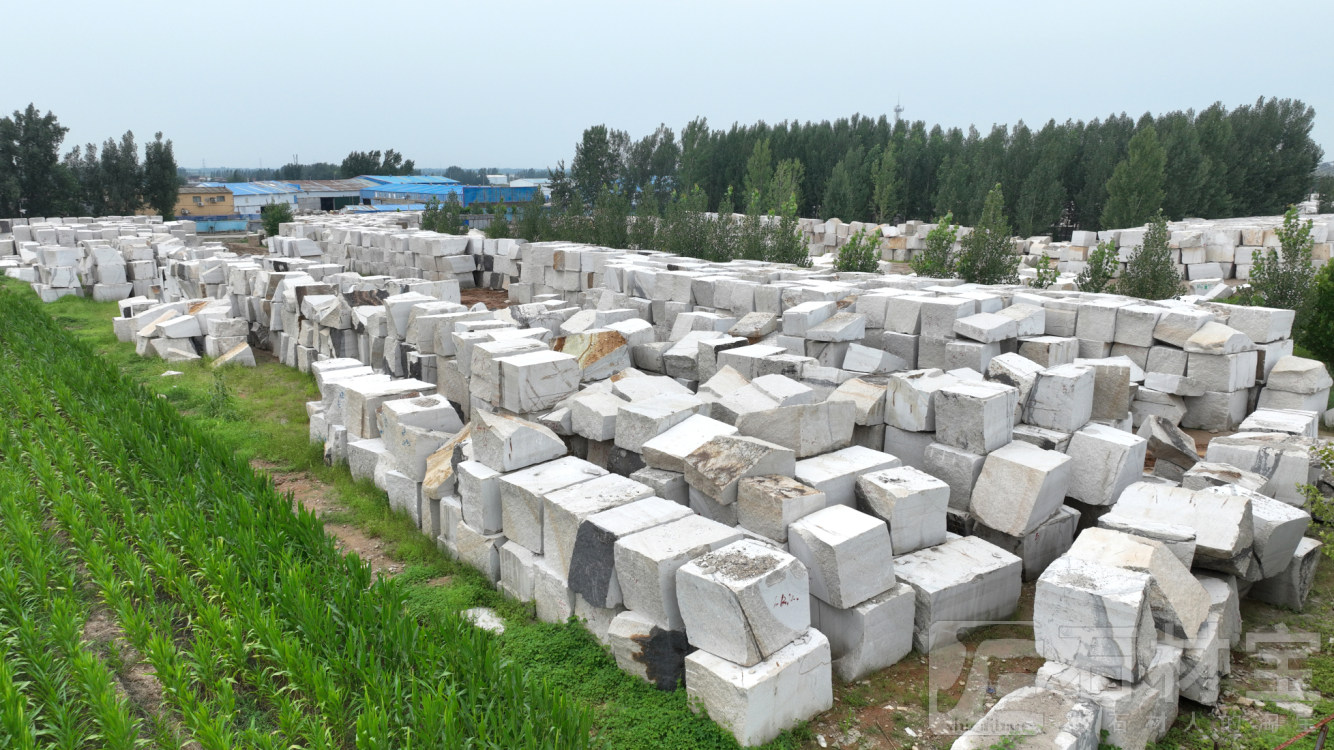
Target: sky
{"type": "Point", "coordinates": [514, 83]}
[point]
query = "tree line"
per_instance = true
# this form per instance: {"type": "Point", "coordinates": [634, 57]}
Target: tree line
{"type": "Point", "coordinates": [36, 181]}
{"type": "Point", "coordinates": [1249, 160]}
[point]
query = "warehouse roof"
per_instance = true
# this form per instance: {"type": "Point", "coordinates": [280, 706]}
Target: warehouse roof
{"type": "Point", "coordinates": [203, 189]}
{"type": "Point", "coordinates": [408, 179]}
{"type": "Point", "coordinates": [257, 188]}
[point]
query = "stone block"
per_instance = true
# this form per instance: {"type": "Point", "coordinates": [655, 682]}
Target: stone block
{"type": "Point", "coordinates": [1047, 440]}
{"type": "Point", "coordinates": [960, 585]}
{"type": "Point", "coordinates": [1020, 487]}
{"type": "Point", "coordinates": [1017, 372]}
{"type": "Point", "coordinates": [1223, 525]}
{"type": "Point", "coordinates": [1134, 714]}
{"type": "Point", "coordinates": [593, 415]}
{"type": "Point", "coordinates": [1178, 538]}
{"type": "Point", "coordinates": [1215, 410]}
{"type": "Point", "coordinates": [1271, 398]}
{"type": "Point", "coordinates": [910, 501]}
{"type": "Point", "coordinates": [649, 652]}
{"type": "Point", "coordinates": [939, 313]}
{"type": "Point", "coordinates": [522, 496]}
{"type": "Point", "coordinates": [757, 703]}
{"type": "Point", "coordinates": [565, 510]}
{"type": "Point", "coordinates": [669, 450]}
{"type": "Point", "coordinates": [507, 443]}
{"type": "Point", "coordinates": [1261, 324]}
{"type": "Point", "coordinates": [1206, 474]}
{"type": "Point", "coordinates": [1175, 326]}
{"type": "Point", "coordinates": [807, 429]}
{"type": "Point", "coordinates": [1038, 548]}
{"type": "Point", "coordinates": [958, 468]}
{"type": "Point", "coordinates": [867, 395]}
{"type": "Point", "coordinates": [975, 416]}
{"type": "Point", "coordinates": [1095, 617]}
{"type": "Point", "coordinates": [1062, 398]}
{"type": "Point", "coordinates": [835, 474]}
{"type": "Point", "coordinates": [553, 599]}
{"type": "Point", "coordinates": [639, 422]}
{"type": "Point", "coordinates": [847, 553]}
{"type": "Point", "coordinates": [986, 328]}
{"type": "Point", "coordinates": [767, 505]}
{"type": "Point", "coordinates": [870, 636]}
{"type": "Point", "coordinates": [1135, 324]}
{"type": "Point", "coordinates": [482, 551]}
{"type": "Point", "coordinates": [646, 563]}
{"type": "Point", "coordinates": [1041, 716]}
{"type": "Point", "coordinates": [1278, 530]}
{"type": "Point", "coordinates": [1290, 587]}
{"type": "Point", "coordinates": [743, 602]}
{"type": "Point", "coordinates": [1178, 602]}
{"type": "Point", "coordinates": [516, 570]}
{"type": "Point", "coordinates": [1049, 351]}
{"type": "Point", "coordinates": [1103, 462]}
{"type": "Point", "coordinates": [1287, 421]}
{"type": "Point", "coordinates": [717, 467]}
{"type": "Point", "coordinates": [1173, 451]}
{"type": "Point", "coordinates": [840, 327]}
{"type": "Point", "coordinates": [908, 447]}
{"type": "Point", "coordinates": [1285, 460]}
{"type": "Point", "coordinates": [1216, 338]}
{"type": "Point", "coordinates": [592, 567]}
{"type": "Point", "coordinates": [1222, 372]}
{"type": "Point", "coordinates": [801, 318]}
{"type": "Point", "coordinates": [1030, 320]}
{"type": "Point", "coordinates": [1299, 375]}
{"type": "Point", "coordinates": [1112, 393]}
{"type": "Point", "coordinates": [910, 399]}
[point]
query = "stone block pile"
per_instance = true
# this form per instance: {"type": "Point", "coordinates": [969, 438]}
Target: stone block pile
{"type": "Point", "coordinates": [109, 258]}
{"type": "Point", "coordinates": [753, 478]}
{"type": "Point", "coordinates": [1204, 251]}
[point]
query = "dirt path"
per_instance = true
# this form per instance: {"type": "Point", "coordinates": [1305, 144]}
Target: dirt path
{"type": "Point", "coordinates": [318, 498]}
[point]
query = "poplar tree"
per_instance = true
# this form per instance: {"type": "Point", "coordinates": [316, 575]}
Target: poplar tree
{"type": "Point", "coordinates": [1135, 190]}
{"type": "Point", "coordinates": [987, 255]}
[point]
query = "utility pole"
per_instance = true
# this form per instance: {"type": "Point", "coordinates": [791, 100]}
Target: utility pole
{"type": "Point", "coordinates": [898, 110]}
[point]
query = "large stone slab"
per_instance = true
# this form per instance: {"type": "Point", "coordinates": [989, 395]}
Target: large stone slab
{"type": "Point", "coordinates": [743, 602]}
{"type": "Point", "coordinates": [592, 568]}
{"type": "Point", "coordinates": [1223, 525]}
{"type": "Point", "coordinates": [960, 585]}
{"type": "Point", "coordinates": [564, 512]}
{"type": "Point", "coordinates": [1179, 603]}
{"type": "Point", "coordinates": [808, 429]}
{"type": "Point", "coordinates": [522, 496]}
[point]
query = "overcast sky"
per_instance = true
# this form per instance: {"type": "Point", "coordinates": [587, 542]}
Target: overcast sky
{"type": "Point", "coordinates": [514, 83]}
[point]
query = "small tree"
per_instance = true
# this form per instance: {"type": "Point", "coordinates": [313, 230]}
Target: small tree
{"type": "Point", "coordinates": [1150, 273]}
{"type": "Point", "coordinates": [532, 223]}
{"type": "Point", "coordinates": [431, 215]}
{"type": "Point", "coordinates": [1101, 269]}
{"type": "Point", "coordinates": [1135, 190]}
{"type": "Point", "coordinates": [450, 219]}
{"type": "Point", "coordinates": [938, 259]}
{"type": "Point", "coordinates": [499, 228]}
{"type": "Point", "coordinates": [1317, 333]}
{"type": "Point", "coordinates": [861, 253]}
{"type": "Point", "coordinates": [1324, 188]}
{"type": "Point", "coordinates": [611, 214]}
{"type": "Point", "coordinates": [987, 255]}
{"type": "Point", "coordinates": [785, 243]}
{"type": "Point", "coordinates": [888, 194]}
{"type": "Point", "coordinates": [1046, 275]}
{"type": "Point", "coordinates": [273, 215]}
{"type": "Point", "coordinates": [161, 182]}
{"type": "Point", "coordinates": [1283, 277]}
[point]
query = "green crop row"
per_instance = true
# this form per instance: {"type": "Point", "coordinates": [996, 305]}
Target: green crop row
{"type": "Point", "coordinates": [260, 632]}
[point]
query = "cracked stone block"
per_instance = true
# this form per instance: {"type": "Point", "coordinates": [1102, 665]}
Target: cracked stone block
{"type": "Point", "coordinates": [565, 510]}
{"type": "Point", "coordinates": [1223, 525]}
{"type": "Point", "coordinates": [1042, 717]}
{"type": "Point", "coordinates": [1288, 421]}
{"type": "Point", "coordinates": [593, 415]}
{"type": "Point", "coordinates": [1179, 603]}
{"type": "Point", "coordinates": [1290, 588]}
{"type": "Point", "coordinates": [910, 399]}
{"type": "Point", "coordinates": [1134, 714]}
{"type": "Point", "coordinates": [1020, 487]}
{"type": "Point", "coordinates": [1285, 460]}
{"type": "Point", "coordinates": [957, 468]}
{"type": "Point", "coordinates": [1015, 371]}
{"type": "Point", "coordinates": [835, 474]}
{"type": "Point", "coordinates": [534, 381]}
{"type": "Point", "coordinates": [639, 422]}
{"type": "Point", "coordinates": [1095, 617]}
{"type": "Point", "coordinates": [1178, 538]}
{"type": "Point", "coordinates": [959, 586]}
{"type": "Point", "coordinates": [847, 553]}
{"type": "Point", "coordinates": [1103, 462]}
{"type": "Point", "coordinates": [1039, 547]}
{"type": "Point", "coordinates": [1062, 398]}
{"type": "Point", "coordinates": [482, 551]}
{"type": "Point", "coordinates": [807, 429]}
{"type": "Point", "coordinates": [912, 502]}
{"type": "Point", "coordinates": [743, 602]}
{"type": "Point", "coordinates": [643, 649]}
{"type": "Point", "coordinates": [669, 450]}
{"type": "Point", "coordinates": [716, 468]}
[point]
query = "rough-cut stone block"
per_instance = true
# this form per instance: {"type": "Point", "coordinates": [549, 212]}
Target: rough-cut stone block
{"type": "Point", "coordinates": [1020, 487]}
{"type": "Point", "coordinates": [743, 602]}
{"type": "Point", "coordinates": [909, 401]}
{"type": "Point", "coordinates": [1049, 351]}
{"type": "Point", "coordinates": [957, 468]}
{"type": "Point", "coordinates": [482, 551]}
{"type": "Point", "coordinates": [1216, 338]}
{"type": "Point", "coordinates": [1223, 525]}
{"type": "Point", "coordinates": [1288, 421]}
{"type": "Point", "coordinates": [835, 474]}
{"type": "Point", "coordinates": [1178, 538]}
{"type": "Point", "coordinates": [767, 505]}
{"type": "Point", "coordinates": [975, 416]}
{"type": "Point", "coordinates": [648, 651]}
{"type": "Point", "coordinates": [669, 450]}
{"type": "Point", "coordinates": [867, 394]}
{"type": "Point", "coordinates": [911, 501]}
{"type": "Point", "coordinates": [516, 571]}
{"type": "Point", "coordinates": [647, 561]}
{"type": "Point", "coordinates": [1290, 588]}
{"type": "Point", "coordinates": [1134, 714]}
{"type": "Point", "coordinates": [715, 468]}
{"type": "Point", "coordinates": [1178, 602]}
{"type": "Point", "coordinates": [1015, 371]}
{"type": "Point", "coordinates": [808, 429]}
{"type": "Point", "coordinates": [1285, 460]}
{"type": "Point", "coordinates": [986, 328]}
{"type": "Point", "coordinates": [1103, 462]}
{"type": "Point", "coordinates": [592, 567]}
{"type": "Point", "coordinates": [479, 488]}
{"type": "Point", "coordinates": [1096, 617]}
{"type": "Point", "coordinates": [757, 703]}
{"type": "Point", "coordinates": [1062, 398]}
{"type": "Point", "coordinates": [565, 510]}
{"type": "Point", "coordinates": [848, 554]}
{"type": "Point", "coordinates": [639, 422]}
{"type": "Point", "coordinates": [960, 585]}
{"type": "Point", "coordinates": [870, 636]}
{"type": "Point", "coordinates": [593, 415]}
{"type": "Point", "coordinates": [522, 493]}
{"type": "Point", "coordinates": [1222, 372]}
{"type": "Point", "coordinates": [507, 443]}
{"type": "Point", "coordinates": [1039, 547]}
{"type": "Point", "coordinates": [535, 381]}
{"type": "Point", "coordinates": [1299, 375]}
{"type": "Point", "coordinates": [1278, 530]}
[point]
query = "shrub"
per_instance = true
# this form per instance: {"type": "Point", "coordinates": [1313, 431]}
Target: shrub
{"type": "Point", "coordinates": [1317, 333]}
{"type": "Point", "coordinates": [274, 214]}
{"type": "Point", "coordinates": [861, 253]}
{"type": "Point", "coordinates": [1283, 277]}
{"type": "Point", "coordinates": [1101, 269]}
{"type": "Point", "coordinates": [1150, 273]}
{"type": "Point", "coordinates": [939, 259]}
{"type": "Point", "coordinates": [987, 255]}
{"type": "Point", "coordinates": [1046, 275]}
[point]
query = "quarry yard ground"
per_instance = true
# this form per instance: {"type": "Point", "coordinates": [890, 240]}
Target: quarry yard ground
{"type": "Point", "coordinates": [260, 414]}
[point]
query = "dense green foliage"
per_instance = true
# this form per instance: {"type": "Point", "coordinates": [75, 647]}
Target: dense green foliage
{"type": "Point", "coordinates": [1135, 191]}
{"type": "Point", "coordinates": [273, 215]}
{"type": "Point", "coordinates": [261, 632]}
{"type": "Point", "coordinates": [35, 181]}
{"type": "Point", "coordinates": [861, 253]}
{"type": "Point", "coordinates": [1318, 327]}
{"type": "Point", "coordinates": [1284, 277]}
{"type": "Point", "coordinates": [1150, 272]}
{"type": "Point", "coordinates": [1249, 160]}
{"type": "Point", "coordinates": [446, 218]}
{"type": "Point", "coordinates": [939, 259]}
{"type": "Point", "coordinates": [389, 163]}
{"type": "Point", "coordinates": [1098, 275]}
{"type": "Point", "coordinates": [1046, 274]}
{"type": "Point", "coordinates": [987, 255]}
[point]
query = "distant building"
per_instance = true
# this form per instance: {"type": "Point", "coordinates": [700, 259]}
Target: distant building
{"type": "Point", "coordinates": [410, 179]}
{"type": "Point", "coordinates": [467, 195]}
{"type": "Point", "coordinates": [199, 201]}
{"type": "Point", "coordinates": [329, 195]}
{"type": "Point", "coordinates": [498, 180]}
{"type": "Point", "coordinates": [252, 197]}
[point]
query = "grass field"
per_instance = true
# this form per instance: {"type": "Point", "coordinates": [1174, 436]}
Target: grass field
{"type": "Point", "coordinates": [259, 415]}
